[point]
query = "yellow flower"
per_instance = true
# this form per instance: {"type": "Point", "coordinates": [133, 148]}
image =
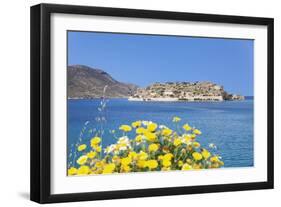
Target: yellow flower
{"type": "Point", "coordinates": [153, 147]}
{"type": "Point", "coordinates": [177, 142]}
{"type": "Point", "coordinates": [128, 155]}
{"type": "Point", "coordinates": [140, 130]}
{"type": "Point", "coordinates": [126, 161]}
{"type": "Point", "coordinates": [81, 147]}
{"type": "Point", "coordinates": [186, 167]}
{"type": "Point", "coordinates": [72, 171]}
{"type": "Point", "coordinates": [206, 154]}
{"type": "Point", "coordinates": [166, 132]}
{"type": "Point", "coordinates": [97, 148]}
{"type": "Point", "coordinates": [151, 127]}
{"type": "Point", "coordinates": [141, 163]}
{"type": "Point", "coordinates": [83, 170]}
{"type": "Point", "coordinates": [151, 164]}
{"type": "Point", "coordinates": [122, 144]}
{"type": "Point", "coordinates": [126, 168]}
{"type": "Point", "coordinates": [192, 136]}
{"type": "Point", "coordinates": [180, 163]}
{"type": "Point", "coordinates": [99, 164]}
{"type": "Point", "coordinates": [187, 138]}
{"type": "Point", "coordinates": [197, 131]}
{"type": "Point", "coordinates": [166, 163]}
{"type": "Point", "coordinates": [150, 136]}
{"type": "Point", "coordinates": [139, 138]}
{"type": "Point", "coordinates": [91, 154]}
{"type": "Point", "coordinates": [197, 166]}
{"type": "Point", "coordinates": [132, 155]}
{"type": "Point", "coordinates": [189, 161]}
{"type": "Point", "coordinates": [168, 156]}
{"type": "Point", "coordinates": [116, 159]}
{"type": "Point", "coordinates": [82, 160]}
{"type": "Point", "coordinates": [186, 127]}
{"type": "Point", "coordinates": [96, 171]}
{"type": "Point", "coordinates": [196, 144]}
{"type": "Point", "coordinates": [136, 124]}
{"type": "Point", "coordinates": [95, 141]}
{"type": "Point", "coordinates": [125, 128]}
{"type": "Point", "coordinates": [143, 155]}
{"type": "Point", "coordinates": [160, 157]}
{"type": "Point", "coordinates": [215, 165]}
{"type": "Point", "coordinates": [197, 156]}
{"type": "Point", "coordinates": [109, 168]}
{"type": "Point", "coordinates": [176, 119]}
{"type": "Point", "coordinates": [214, 159]}
{"type": "Point", "coordinates": [165, 168]}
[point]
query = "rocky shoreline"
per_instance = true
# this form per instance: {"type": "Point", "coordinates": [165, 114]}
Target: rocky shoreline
{"type": "Point", "coordinates": [184, 91]}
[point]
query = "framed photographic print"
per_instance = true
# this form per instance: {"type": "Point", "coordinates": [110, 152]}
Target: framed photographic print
{"type": "Point", "coordinates": [132, 103]}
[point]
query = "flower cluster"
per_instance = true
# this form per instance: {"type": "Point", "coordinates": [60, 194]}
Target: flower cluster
{"type": "Point", "coordinates": [153, 148]}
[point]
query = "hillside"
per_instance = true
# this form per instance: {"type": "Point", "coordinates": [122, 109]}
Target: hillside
{"type": "Point", "coordinates": [86, 82]}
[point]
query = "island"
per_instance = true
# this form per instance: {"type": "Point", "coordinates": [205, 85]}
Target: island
{"type": "Point", "coordinates": [84, 82]}
{"type": "Point", "coordinates": [183, 91]}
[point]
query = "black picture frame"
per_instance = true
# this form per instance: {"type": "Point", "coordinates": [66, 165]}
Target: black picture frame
{"type": "Point", "coordinates": [41, 99]}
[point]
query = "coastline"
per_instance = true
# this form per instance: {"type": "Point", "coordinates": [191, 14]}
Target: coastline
{"type": "Point", "coordinates": [158, 99]}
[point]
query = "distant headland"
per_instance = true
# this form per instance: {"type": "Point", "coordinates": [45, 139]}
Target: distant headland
{"type": "Point", "coordinates": [84, 82]}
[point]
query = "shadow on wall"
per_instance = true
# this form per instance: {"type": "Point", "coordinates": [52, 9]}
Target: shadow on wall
{"type": "Point", "coordinates": [24, 195]}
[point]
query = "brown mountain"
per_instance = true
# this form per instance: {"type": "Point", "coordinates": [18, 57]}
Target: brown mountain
{"type": "Point", "coordinates": [87, 82]}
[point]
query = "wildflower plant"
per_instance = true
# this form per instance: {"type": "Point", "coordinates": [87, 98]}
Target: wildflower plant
{"type": "Point", "coordinates": [91, 128]}
{"type": "Point", "coordinates": [150, 147]}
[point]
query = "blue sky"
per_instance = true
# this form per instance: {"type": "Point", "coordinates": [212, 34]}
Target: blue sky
{"type": "Point", "coordinates": [145, 59]}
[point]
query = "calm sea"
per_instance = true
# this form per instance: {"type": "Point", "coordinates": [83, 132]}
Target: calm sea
{"type": "Point", "coordinates": [228, 124]}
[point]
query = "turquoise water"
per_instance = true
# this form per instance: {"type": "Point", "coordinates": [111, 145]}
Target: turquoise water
{"type": "Point", "coordinates": [228, 124]}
